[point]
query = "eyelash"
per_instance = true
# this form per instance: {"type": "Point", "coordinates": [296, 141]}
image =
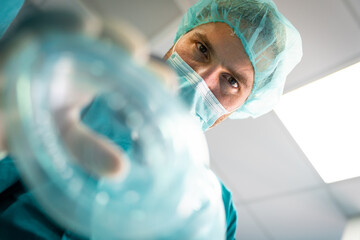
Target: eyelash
{"type": "Point", "coordinates": [236, 82]}
{"type": "Point", "coordinates": [199, 46]}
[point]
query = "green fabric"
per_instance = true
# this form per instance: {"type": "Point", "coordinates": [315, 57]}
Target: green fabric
{"type": "Point", "coordinates": [8, 11]}
{"type": "Point", "coordinates": [99, 118]}
{"type": "Point", "coordinates": [8, 173]}
{"type": "Point", "coordinates": [25, 215]}
{"type": "Point", "coordinates": [230, 213]}
{"type": "Point", "coordinates": [23, 219]}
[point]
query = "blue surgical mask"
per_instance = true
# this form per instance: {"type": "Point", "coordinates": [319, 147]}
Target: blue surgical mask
{"type": "Point", "coordinates": [196, 94]}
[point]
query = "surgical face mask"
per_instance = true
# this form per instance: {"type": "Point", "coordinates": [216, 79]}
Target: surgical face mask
{"type": "Point", "coordinates": [196, 94]}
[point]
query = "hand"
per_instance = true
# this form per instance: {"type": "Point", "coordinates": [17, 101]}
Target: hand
{"type": "Point", "coordinates": [94, 152]}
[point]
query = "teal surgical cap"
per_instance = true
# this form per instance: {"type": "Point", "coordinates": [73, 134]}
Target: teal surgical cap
{"type": "Point", "coordinates": [270, 40]}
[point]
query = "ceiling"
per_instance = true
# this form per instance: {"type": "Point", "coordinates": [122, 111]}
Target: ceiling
{"type": "Point", "coordinates": [278, 194]}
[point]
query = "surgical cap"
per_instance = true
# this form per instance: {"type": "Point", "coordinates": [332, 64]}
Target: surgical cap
{"type": "Point", "coordinates": [269, 39]}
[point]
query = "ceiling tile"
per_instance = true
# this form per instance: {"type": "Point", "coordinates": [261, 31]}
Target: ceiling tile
{"type": "Point", "coordinates": [162, 42]}
{"type": "Point", "coordinates": [258, 158]}
{"type": "Point", "coordinates": [150, 17]}
{"type": "Point", "coordinates": [247, 228]}
{"type": "Point", "coordinates": [330, 38]}
{"type": "Point", "coordinates": [354, 7]}
{"type": "Point", "coordinates": [308, 215]}
{"type": "Point", "coordinates": [346, 193]}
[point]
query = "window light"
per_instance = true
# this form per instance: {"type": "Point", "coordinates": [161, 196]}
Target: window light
{"type": "Point", "coordinates": [324, 119]}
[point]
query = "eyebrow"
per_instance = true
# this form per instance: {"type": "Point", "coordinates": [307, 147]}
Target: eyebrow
{"type": "Point", "coordinates": [238, 76]}
{"type": "Point", "coordinates": [206, 41]}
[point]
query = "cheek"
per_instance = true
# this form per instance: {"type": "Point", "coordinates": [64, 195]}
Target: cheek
{"type": "Point", "coordinates": [182, 48]}
{"type": "Point", "coordinates": [185, 48]}
{"type": "Point", "coordinates": [231, 102]}
{"type": "Point", "coordinates": [229, 99]}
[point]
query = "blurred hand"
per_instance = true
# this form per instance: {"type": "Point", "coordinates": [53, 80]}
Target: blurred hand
{"type": "Point", "coordinates": [94, 152]}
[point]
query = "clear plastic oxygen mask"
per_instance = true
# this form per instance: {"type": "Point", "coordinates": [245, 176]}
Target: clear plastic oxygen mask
{"type": "Point", "coordinates": [163, 189]}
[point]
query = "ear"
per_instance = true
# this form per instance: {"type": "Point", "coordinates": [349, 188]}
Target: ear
{"type": "Point", "coordinates": [220, 119]}
{"type": "Point", "coordinates": [168, 54]}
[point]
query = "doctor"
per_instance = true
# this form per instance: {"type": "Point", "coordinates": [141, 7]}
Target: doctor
{"type": "Point", "coordinates": [232, 58]}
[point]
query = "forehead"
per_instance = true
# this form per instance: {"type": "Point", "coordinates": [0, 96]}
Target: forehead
{"type": "Point", "coordinates": [224, 40]}
{"type": "Point", "coordinates": [228, 48]}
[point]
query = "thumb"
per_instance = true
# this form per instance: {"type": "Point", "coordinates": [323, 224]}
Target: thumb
{"type": "Point", "coordinates": [96, 154]}
{"type": "Point", "coordinates": [93, 152]}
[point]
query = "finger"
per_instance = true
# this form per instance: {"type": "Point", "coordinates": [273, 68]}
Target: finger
{"type": "Point", "coordinates": [97, 155]}
{"type": "Point", "coordinates": [94, 153]}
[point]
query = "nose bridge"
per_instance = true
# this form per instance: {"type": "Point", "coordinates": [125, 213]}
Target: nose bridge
{"type": "Point", "coordinates": [211, 74]}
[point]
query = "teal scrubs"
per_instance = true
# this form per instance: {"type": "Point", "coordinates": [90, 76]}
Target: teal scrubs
{"type": "Point", "coordinates": [20, 216]}
{"type": "Point", "coordinates": [21, 212]}
{"type": "Point", "coordinates": [8, 11]}
{"type": "Point", "coordinates": [230, 213]}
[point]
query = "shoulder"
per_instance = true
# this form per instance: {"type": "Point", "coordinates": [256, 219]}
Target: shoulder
{"type": "Point", "coordinates": [8, 174]}
{"type": "Point", "coordinates": [230, 212]}
{"type": "Point", "coordinates": [8, 11]}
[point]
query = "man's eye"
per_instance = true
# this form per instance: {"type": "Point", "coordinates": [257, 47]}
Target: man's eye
{"type": "Point", "coordinates": [202, 48]}
{"type": "Point", "coordinates": [232, 81]}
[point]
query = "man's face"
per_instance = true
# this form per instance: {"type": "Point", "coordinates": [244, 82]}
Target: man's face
{"type": "Point", "coordinates": [218, 56]}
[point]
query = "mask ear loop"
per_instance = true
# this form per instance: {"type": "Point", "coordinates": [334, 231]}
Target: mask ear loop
{"type": "Point", "coordinates": [227, 112]}
{"type": "Point", "coordinates": [173, 49]}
